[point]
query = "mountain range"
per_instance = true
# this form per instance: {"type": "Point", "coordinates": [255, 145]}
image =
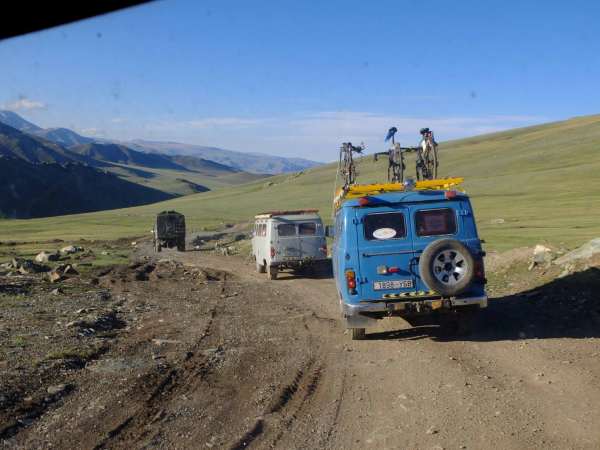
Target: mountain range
{"type": "Point", "coordinates": [248, 162]}
{"type": "Point", "coordinates": [257, 163]}
{"type": "Point", "coordinates": [39, 166]}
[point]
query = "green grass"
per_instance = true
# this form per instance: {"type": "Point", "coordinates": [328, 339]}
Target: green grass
{"type": "Point", "coordinates": [168, 180]}
{"type": "Point", "coordinates": [19, 341]}
{"type": "Point", "coordinates": [83, 353]}
{"type": "Point", "coordinates": [544, 181]}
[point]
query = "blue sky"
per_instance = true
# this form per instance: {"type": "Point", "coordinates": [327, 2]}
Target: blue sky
{"type": "Point", "coordinates": [298, 78]}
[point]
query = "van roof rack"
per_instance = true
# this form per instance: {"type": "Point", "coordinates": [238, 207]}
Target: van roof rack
{"type": "Point", "coordinates": [269, 214]}
{"type": "Point", "coordinates": [362, 190]}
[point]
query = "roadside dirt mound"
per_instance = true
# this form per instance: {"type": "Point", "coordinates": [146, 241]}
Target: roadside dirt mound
{"type": "Point", "coordinates": [164, 269]}
{"type": "Point", "coordinates": [495, 261]}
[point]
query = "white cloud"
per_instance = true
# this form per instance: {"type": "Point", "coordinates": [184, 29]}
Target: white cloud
{"type": "Point", "coordinates": [217, 122]}
{"type": "Point", "coordinates": [322, 133]}
{"type": "Point", "coordinates": [118, 120]}
{"type": "Point", "coordinates": [318, 135]}
{"type": "Point", "coordinates": [25, 104]}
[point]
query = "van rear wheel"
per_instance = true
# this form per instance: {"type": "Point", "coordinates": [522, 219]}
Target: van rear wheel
{"type": "Point", "coordinates": [358, 334]}
{"type": "Point", "coordinates": [260, 268]}
{"type": "Point", "coordinates": [272, 273]}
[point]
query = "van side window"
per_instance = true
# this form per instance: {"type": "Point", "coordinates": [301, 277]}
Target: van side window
{"type": "Point", "coordinates": [308, 228]}
{"type": "Point", "coordinates": [286, 229]}
{"type": "Point", "coordinates": [384, 226]}
{"type": "Point", "coordinates": [435, 222]}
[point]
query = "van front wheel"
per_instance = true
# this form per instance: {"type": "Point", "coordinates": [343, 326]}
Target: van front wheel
{"type": "Point", "coordinates": [358, 334]}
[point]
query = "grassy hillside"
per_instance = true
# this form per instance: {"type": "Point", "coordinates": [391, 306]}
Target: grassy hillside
{"type": "Point", "coordinates": [178, 182]}
{"type": "Point", "coordinates": [543, 181]}
{"type": "Point", "coordinates": [40, 190]}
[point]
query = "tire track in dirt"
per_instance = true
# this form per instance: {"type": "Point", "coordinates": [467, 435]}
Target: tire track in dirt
{"type": "Point", "coordinates": [194, 369]}
{"type": "Point", "coordinates": [287, 407]}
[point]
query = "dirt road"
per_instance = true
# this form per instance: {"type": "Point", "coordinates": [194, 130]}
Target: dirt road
{"type": "Point", "coordinates": [216, 356]}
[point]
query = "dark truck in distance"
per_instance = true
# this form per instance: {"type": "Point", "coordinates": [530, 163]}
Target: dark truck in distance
{"type": "Point", "coordinates": [169, 231]}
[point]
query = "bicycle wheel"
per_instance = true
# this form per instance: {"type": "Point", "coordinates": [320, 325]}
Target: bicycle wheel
{"type": "Point", "coordinates": [351, 171]}
{"type": "Point", "coordinates": [422, 169]}
{"type": "Point", "coordinates": [418, 168]}
{"type": "Point", "coordinates": [428, 164]}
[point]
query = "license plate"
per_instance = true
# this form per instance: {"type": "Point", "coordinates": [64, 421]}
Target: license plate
{"type": "Point", "coordinates": [392, 284]}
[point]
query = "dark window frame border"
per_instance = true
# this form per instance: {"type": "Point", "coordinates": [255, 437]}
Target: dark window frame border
{"type": "Point", "coordinates": [371, 239]}
{"type": "Point", "coordinates": [434, 235]}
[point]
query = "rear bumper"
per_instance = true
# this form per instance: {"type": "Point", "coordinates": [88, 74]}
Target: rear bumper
{"type": "Point", "coordinates": [298, 262]}
{"type": "Point", "coordinates": [364, 314]}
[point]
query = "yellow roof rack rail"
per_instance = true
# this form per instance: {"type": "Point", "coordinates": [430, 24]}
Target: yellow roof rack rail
{"type": "Point", "coordinates": [362, 190]}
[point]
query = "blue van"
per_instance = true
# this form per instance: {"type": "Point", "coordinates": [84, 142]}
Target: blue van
{"type": "Point", "coordinates": [409, 253]}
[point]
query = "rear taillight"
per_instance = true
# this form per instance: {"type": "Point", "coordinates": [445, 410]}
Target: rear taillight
{"type": "Point", "coordinates": [273, 252]}
{"type": "Point", "coordinates": [364, 201]}
{"type": "Point", "coordinates": [323, 249]}
{"type": "Point", "coordinates": [450, 194]}
{"type": "Point", "coordinates": [480, 270]}
{"type": "Point", "coordinates": [351, 281]}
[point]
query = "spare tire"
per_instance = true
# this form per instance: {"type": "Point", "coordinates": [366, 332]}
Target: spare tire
{"type": "Point", "coordinates": [447, 267]}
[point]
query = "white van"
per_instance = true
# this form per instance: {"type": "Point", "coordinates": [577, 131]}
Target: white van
{"type": "Point", "coordinates": [289, 240]}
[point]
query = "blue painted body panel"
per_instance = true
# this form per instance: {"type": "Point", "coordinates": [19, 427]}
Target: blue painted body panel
{"type": "Point", "coordinates": [352, 250]}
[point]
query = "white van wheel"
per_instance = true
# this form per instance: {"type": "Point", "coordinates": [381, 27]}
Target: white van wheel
{"type": "Point", "coordinates": [358, 334]}
{"type": "Point", "coordinates": [272, 273]}
{"type": "Point", "coordinates": [261, 268]}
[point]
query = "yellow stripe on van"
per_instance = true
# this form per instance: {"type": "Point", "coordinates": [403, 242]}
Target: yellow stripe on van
{"type": "Point", "coordinates": [414, 294]}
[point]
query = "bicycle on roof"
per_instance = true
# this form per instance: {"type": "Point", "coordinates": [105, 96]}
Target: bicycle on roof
{"type": "Point", "coordinates": [347, 169]}
{"type": "Point", "coordinates": [427, 156]}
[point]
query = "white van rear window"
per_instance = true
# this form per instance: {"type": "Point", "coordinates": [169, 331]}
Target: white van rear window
{"type": "Point", "coordinates": [308, 228]}
{"type": "Point", "coordinates": [286, 229]}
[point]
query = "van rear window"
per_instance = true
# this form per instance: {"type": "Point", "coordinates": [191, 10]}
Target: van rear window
{"type": "Point", "coordinates": [286, 229]}
{"type": "Point", "coordinates": [308, 228]}
{"type": "Point", "coordinates": [434, 222]}
{"type": "Point", "coordinates": [384, 226]}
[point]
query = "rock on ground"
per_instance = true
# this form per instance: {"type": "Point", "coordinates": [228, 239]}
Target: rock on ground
{"type": "Point", "coordinates": [542, 254]}
{"type": "Point", "coordinates": [587, 250]}
{"type": "Point", "coordinates": [70, 249]}
{"type": "Point", "coordinates": [43, 257]}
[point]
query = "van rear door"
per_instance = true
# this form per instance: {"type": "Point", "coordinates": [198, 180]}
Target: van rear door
{"type": "Point", "coordinates": [311, 238]}
{"type": "Point", "coordinates": [386, 255]}
{"type": "Point", "coordinates": [433, 221]}
{"type": "Point", "coordinates": [288, 243]}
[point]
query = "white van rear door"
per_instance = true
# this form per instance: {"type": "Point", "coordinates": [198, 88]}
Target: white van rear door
{"type": "Point", "coordinates": [311, 238]}
{"type": "Point", "coordinates": [287, 244]}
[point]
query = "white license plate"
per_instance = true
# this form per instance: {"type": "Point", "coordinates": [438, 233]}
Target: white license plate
{"type": "Point", "coordinates": [392, 284]}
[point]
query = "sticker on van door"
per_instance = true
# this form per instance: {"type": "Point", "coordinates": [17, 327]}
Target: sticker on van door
{"type": "Point", "coordinates": [384, 233]}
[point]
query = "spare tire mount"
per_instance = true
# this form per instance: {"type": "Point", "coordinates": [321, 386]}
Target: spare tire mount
{"type": "Point", "coordinates": [447, 267]}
